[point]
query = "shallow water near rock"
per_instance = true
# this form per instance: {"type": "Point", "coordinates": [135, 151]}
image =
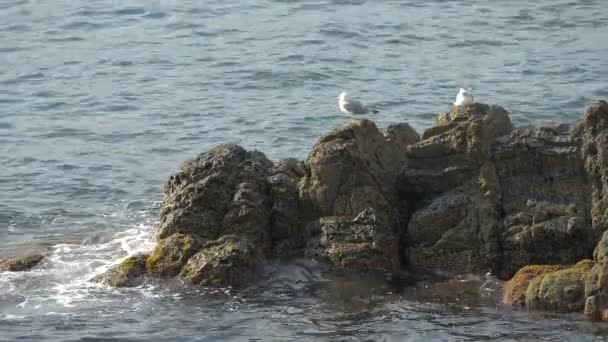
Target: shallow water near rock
{"type": "Point", "coordinates": [100, 102]}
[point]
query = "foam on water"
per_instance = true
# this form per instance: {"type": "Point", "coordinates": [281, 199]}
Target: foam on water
{"type": "Point", "coordinates": [63, 279]}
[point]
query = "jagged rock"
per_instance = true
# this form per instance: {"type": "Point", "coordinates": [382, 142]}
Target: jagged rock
{"type": "Point", "coordinates": [125, 274]}
{"type": "Point", "coordinates": [596, 284]}
{"type": "Point", "coordinates": [595, 153]}
{"type": "Point", "coordinates": [515, 289]}
{"type": "Point", "coordinates": [21, 263]}
{"type": "Point", "coordinates": [171, 254]}
{"type": "Point", "coordinates": [222, 191]}
{"type": "Point", "coordinates": [352, 170]}
{"type": "Point", "coordinates": [544, 198]}
{"type": "Point", "coordinates": [562, 290]}
{"type": "Point", "coordinates": [363, 243]}
{"type": "Point", "coordinates": [229, 261]}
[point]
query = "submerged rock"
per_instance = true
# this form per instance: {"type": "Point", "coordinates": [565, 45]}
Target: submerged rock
{"type": "Point", "coordinates": [21, 263]}
{"type": "Point", "coordinates": [125, 274]}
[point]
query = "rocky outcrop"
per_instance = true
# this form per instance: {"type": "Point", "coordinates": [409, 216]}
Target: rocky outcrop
{"type": "Point", "coordinates": [21, 263]}
{"type": "Point", "coordinates": [471, 194]}
{"type": "Point", "coordinates": [349, 186]}
{"type": "Point", "coordinates": [125, 274]}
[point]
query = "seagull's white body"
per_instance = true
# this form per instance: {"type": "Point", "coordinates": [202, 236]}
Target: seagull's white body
{"type": "Point", "coordinates": [464, 98]}
{"type": "Point", "coordinates": [351, 107]}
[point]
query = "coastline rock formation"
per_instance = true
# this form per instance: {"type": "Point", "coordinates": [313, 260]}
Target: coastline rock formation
{"type": "Point", "coordinates": [469, 195]}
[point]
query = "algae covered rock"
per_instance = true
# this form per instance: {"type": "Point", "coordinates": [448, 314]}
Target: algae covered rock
{"type": "Point", "coordinates": [171, 254]}
{"type": "Point", "coordinates": [125, 274]}
{"type": "Point", "coordinates": [562, 290]}
{"type": "Point", "coordinates": [229, 261]}
{"type": "Point", "coordinates": [21, 263]}
{"type": "Point", "coordinates": [515, 289]}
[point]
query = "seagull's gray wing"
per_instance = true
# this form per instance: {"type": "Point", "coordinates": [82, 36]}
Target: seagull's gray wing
{"type": "Point", "coordinates": [355, 107]}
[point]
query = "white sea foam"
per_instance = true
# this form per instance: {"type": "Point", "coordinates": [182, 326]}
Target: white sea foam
{"type": "Point", "coordinates": [63, 278]}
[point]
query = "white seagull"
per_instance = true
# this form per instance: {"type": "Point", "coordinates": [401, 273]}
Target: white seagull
{"type": "Point", "coordinates": [464, 98]}
{"type": "Point", "coordinates": [351, 107]}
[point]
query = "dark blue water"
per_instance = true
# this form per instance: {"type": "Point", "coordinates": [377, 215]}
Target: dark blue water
{"type": "Point", "coordinates": [101, 100]}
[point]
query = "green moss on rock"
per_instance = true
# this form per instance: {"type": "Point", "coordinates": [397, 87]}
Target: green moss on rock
{"type": "Point", "coordinates": [515, 289]}
{"type": "Point", "coordinates": [562, 290]}
{"type": "Point", "coordinates": [171, 254]}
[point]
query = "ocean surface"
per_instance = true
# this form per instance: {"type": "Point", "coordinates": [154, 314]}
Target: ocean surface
{"type": "Point", "coordinates": [101, 100]}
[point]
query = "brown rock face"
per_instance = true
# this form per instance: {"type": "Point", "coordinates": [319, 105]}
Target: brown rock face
{"type": "Point", "coordinates": [349, 182]}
